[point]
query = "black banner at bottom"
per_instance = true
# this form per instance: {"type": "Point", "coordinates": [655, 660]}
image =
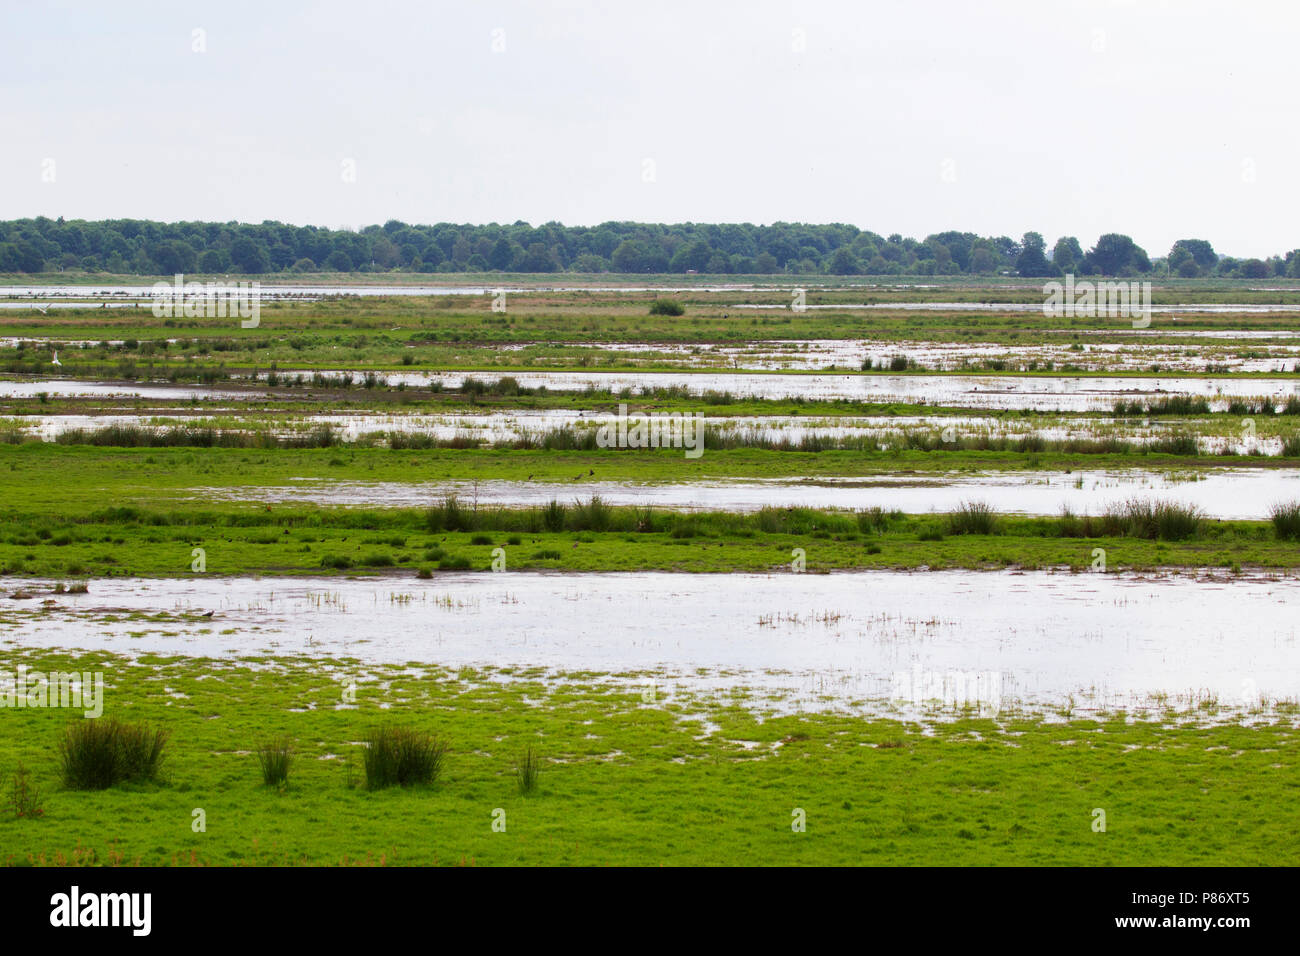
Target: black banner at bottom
{"type": "Point", "coordinates": [931, 905]}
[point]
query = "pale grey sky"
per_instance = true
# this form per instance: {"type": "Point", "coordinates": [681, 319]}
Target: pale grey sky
{"type": "Point", "coordinates": [1158, 118]}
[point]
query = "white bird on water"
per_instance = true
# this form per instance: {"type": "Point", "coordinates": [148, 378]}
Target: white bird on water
{"type": "Point", "coordinates": [56, 359]}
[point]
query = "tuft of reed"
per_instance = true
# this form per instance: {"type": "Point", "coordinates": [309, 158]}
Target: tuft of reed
{"type": "Point", "coordinates": [274, 757]}
{"type": "Point", "coordinates": [1153, 520]}
{"type": "Point", "coordinates": [98, 754]}
{"type": "Point", "coordinates": [1286, 519]}
{"type": "Point", "coordinates": [528, 768]}
{"type": "Point", "coordinates": [973, 517]}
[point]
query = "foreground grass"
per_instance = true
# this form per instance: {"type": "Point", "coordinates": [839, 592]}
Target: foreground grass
{"type": "Point", "coordinates": [631, 782]}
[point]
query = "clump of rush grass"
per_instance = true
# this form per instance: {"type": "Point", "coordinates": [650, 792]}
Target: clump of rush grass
{"type": "Point", "coordinates": [98, 754]}
{"type": "Point", "coordinates": [1286, 519]}
{"type": "Point", "coordinates": [403, 757]}
{"type": "Point", "coordinates": [528, 768]}
{"type": "Point", "coordinates": [274, 757]}
{"type": "Point", "coordinates": [973, 517]}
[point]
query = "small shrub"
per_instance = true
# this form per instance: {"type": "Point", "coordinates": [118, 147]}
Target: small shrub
{"type": "Point", "coordinates": [454, 562]}
{"type": "Point", "coordinates": [666, 307]}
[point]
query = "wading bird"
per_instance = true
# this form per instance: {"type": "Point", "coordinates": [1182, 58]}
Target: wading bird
{"type": "Point", "coordinates": [56, 359]}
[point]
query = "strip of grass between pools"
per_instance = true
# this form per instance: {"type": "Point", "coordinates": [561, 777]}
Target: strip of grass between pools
{"type": "Point", "coordinates": [675, 781]}
{"type": "Point", "coordinates": [52, 476]}
{"type": "Point", "coordinates": [589, 536]}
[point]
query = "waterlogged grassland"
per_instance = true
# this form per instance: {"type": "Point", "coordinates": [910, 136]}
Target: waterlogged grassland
{"type": "Point", "coordinates": [937, 288]}
{"type": "Point", "coordinates": [557, 330]}
{"type": "Point", "coordinates": [676, 781]}
{"type": "Point", "coordinates": [50, 476]}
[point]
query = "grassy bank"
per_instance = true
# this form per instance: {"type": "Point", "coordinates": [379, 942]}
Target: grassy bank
{"type": "Point", "coordinates": [590, 536]}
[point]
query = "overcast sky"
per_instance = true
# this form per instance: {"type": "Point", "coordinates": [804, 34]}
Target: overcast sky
{"type": "Point", "coordinates": [1157, 118]}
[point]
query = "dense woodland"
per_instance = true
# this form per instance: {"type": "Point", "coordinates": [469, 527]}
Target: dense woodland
{"type": "Point", "coordinates": [140, 247]}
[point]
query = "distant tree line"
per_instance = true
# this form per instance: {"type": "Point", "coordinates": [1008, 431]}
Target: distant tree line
{"type": "Point", "coordinates": [142, 247]}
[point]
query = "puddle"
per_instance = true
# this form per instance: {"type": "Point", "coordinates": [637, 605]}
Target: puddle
{"type": "Point", "coordinates": [69, 388]}
{"type": "Point", "coordinates": [1036, 639]}
{"type": "Point", "coordinates": [1228, 493]}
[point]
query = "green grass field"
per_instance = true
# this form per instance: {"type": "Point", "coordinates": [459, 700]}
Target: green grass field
{"type": "Point", "coordinates": [676, 779]}
{"type": "Point", "coordinates": [626, 781]}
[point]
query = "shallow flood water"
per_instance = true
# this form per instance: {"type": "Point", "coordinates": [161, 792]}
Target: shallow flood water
{"type": "Point", "coordinates": [1040, 393]}
{"type": "Point", "coordinates": [71, 388]}
{"type": "Point", "coordinates": [876, 640]}
{"type": "Point", "coordinates": [509, 426]}
{"type": "Point", "coordinates": [1227, 493]}
{"type": "Point", "coordinates": [1035, 393]}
